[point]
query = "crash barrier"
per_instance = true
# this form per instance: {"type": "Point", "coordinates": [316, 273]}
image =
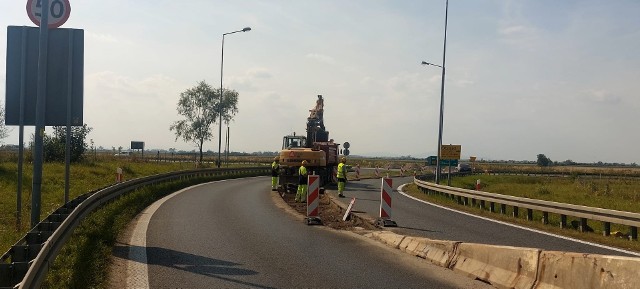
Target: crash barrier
{"type": "Point", "coordinates": [386, 190]}
{"type": "Point", "coordinates": [313, 200]}
{"type": "Point", "coordinates": [25, 265]}
{"type": "Point", "coordinates": [526, 268]}
{"type": "Point", "coordinates": [584, 213]}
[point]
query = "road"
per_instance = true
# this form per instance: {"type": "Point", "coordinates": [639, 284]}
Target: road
{"type": "Point", "coordinates": [231, 234]}
{"type": "Point", "coordinates": [425, 220]}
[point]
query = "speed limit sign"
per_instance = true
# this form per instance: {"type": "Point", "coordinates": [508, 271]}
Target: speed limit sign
{"type": "Point", "coordinates": [59, 11]}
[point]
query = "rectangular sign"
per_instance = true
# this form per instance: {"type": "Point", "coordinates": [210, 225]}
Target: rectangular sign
{"type": "Point", "coordinates": [431, 161]}
{"type": "Point", "coordinates": [65, 74]}
{"type": "Point", "coordinates": [137, 145]}
{"type": "Point", "coordinates": [450, 152]}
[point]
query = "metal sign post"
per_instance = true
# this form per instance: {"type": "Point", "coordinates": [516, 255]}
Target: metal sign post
{"type": "Point", "coordinates": [40, 110]}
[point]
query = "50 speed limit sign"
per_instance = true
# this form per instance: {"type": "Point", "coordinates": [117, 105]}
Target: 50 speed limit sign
{"type": "Point", "coordinates": [59, 11]}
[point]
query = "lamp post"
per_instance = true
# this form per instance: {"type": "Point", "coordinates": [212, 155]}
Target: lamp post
{"type": "Point", "coordinates": [221, 92]}
{"type": "Point", "coordinates": [444, 53]}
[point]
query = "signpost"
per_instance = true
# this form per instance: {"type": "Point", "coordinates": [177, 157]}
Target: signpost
{"type": "Point", "coordinates": [59, 11]}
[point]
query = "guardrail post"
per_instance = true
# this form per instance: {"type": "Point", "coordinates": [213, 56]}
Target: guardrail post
{"type": "Point", "coordinates": [503, 209]}
{"type": "Point", "coordinates": [482, 205]}
{"type": "Point", "coordinates": [473, 202]}
{"type": "Point", "coordinates": [634, 233]}
{"type": "Point", "coordinates": [545, 218]}
{"type": "Point", "coordinates": [515, 212]}
{"type": "Point", "coordinates": [563, 221]}
{"type": "Point", "coordinates": [529, 215]}
{"type": "Point", "coordinates": [606, 229]}
{"type": "Point", "coordinates": [459, 200]}
{"type": "Point", "coordinates": [492, 207]}
{"type": "Point", "coordinates": [466, 201]}
{"type": "Point", "coordinates": [583, 225]}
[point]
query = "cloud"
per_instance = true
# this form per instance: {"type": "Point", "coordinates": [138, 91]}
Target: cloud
{"type": "Point", "coordinates": [603, 97]}
{"type": "Point", "coordinates": [321, 58]}
{"type": "Point", "coordinates": [104, 38]}
{"type": "Point", "coordinates": [512, 30]}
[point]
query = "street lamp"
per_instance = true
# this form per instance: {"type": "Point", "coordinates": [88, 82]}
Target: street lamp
{"type": "Point", "coordinates": [444, 53]}
{"type": "Point", "coordinates": [221, 92]}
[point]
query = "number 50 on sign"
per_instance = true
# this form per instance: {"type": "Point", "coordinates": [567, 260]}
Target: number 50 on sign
{"type": "Point", "coordinates": [59, 11]}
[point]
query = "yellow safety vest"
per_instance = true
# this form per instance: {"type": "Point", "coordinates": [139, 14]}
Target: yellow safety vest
{"type": "Point", "coordinates": [302, 171]}
{"type": "Point", "coordinates": [340, 173]}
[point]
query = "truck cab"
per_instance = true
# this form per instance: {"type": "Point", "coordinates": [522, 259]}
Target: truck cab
{"type": "Point", "coordinates": [293, 141]}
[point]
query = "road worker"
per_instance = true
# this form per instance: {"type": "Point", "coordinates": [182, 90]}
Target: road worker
{"type": "Point", "coordinates": [342, 176]}
{"type": "Point", "coordinates": [301, 195]}
{"type": "Point", "coordinates": [275, 167]}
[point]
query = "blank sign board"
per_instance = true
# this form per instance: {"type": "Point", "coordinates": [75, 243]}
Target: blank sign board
{"type": "Point", "coordinates": [65, 73]}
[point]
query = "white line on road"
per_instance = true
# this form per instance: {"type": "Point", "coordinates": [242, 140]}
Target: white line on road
{"type": "Point", "coordinates": [520, 227]}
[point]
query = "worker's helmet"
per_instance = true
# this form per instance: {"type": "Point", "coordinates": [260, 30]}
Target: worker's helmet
{"type": "Point", "coordinates": [343, 159]}
{"type": "Point", "coordinates": [304, 163]}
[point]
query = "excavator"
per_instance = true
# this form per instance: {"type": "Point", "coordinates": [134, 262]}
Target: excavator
{"type": "Point", "coordinates": [320, 152]}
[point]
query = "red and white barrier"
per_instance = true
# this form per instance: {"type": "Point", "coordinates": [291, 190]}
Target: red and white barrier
{"type": "Point", "coordinates": [358, 172]}
{"type": "Point", "coordinates": [385, 204]}
{"type": "Point", "coordinates": [377, 172]}
{"type": "Point", "coordinates": [478, 185]}
{"type": "Point", "coordinates": [119, 176]}
{"type": "Point", "coordinates": [349, 208]}
{"type": "Point", "coordinates": [313, 200]}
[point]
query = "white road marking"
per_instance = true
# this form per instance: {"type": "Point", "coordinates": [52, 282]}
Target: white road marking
{"type": "Point", "coordinates": [520, 227]}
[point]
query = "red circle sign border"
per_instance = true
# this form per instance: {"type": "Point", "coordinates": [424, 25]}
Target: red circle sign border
{"type": "Point", "coordinates": [57, 24]}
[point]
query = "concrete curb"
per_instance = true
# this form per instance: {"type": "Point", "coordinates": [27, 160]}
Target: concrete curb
{"type": "Point", "coordinates": [515, 267]}
{"type": "Point", "coordinates": [575, 270]}
{"type": "Point", "coordinates": [501, 266]}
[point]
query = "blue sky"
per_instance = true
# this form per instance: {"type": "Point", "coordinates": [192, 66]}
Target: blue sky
{"type": "Point", "coordinates": [522, 77]}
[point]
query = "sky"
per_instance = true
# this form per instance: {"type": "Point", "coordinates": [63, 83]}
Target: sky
{"type": "Point", "coordinates": [523, 78]}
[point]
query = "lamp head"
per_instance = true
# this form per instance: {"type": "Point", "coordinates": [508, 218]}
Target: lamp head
{"type": "Point", "coordinates": [246, 29]}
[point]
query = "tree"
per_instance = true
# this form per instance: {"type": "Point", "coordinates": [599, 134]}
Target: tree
{"type": "Point", "coordinates": [4, 130]}
{"type": "Point", "coordinates": [543, 161]}
{"type": "Point", "coordinates": [199, 106]}
{"type": "Point", "coordinates": [54, 144]}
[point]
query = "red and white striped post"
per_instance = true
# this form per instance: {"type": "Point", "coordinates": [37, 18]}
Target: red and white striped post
{"type": "Point", "coordinates": [119, 178]}
{"type": "Point", "coordinates": [385, 204]}
{"type": "Point", "coordinates": [313, 200]}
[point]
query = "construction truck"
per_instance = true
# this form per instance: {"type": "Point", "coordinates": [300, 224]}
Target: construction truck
{"type": "Point", "coordinates": [320, 152]}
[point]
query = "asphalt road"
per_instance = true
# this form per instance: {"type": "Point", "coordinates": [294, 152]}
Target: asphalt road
{"type": "Point", "coordinates": [230, 234]}
{"type": "Point", "coordinates": [425, 220]}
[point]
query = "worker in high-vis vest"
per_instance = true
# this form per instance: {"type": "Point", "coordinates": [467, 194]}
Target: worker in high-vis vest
{"type": "Point", "coordinates": [275, 167]}
{"type": "Point", "coordinates": [342, 176]}
{"type": "Point", "coordinates": [301, 195]}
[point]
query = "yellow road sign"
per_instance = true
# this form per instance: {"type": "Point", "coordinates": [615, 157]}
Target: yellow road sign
{"type": "Point", "coordinates": [450, 152]}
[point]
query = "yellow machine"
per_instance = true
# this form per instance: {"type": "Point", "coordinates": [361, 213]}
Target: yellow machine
{"type": "Point", "coordinates": [316, 148]}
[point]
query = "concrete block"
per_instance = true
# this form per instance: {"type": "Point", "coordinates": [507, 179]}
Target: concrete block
{"type": "Point", "coordinates": [501, 266]}
{"type": "Point", "coordinates": [389, 238]}
{"type": "Point", "coordinates": [587, 271]}
{"type": "Point", "coordinates": [438, 252]}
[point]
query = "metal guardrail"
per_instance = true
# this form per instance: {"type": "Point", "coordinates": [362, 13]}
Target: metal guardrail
{"type": "Point", "coordinates": [584, 213]}
{"type": "Point", "coordinates": [32, 256]}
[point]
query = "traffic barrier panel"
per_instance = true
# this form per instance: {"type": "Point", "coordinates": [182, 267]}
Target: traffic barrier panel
{"type": "Point", "coordinates": [575, 270]}
{"type": "Point", "coordinates": [386, 190]}
{"type": "Point", "coordinates": [501, 266]}
{"type": "Point", "coordinates": [313, 200]}
{"type": "Point", "coordinates": [119, 176]}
